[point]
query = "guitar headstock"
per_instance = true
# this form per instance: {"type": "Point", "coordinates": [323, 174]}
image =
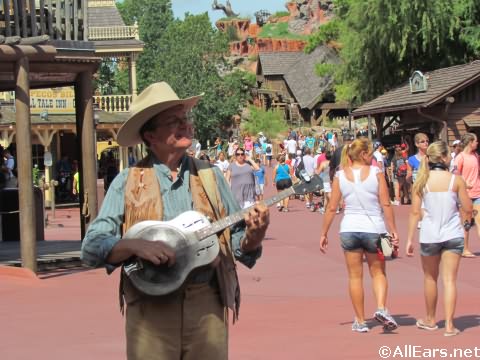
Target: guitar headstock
{"type": "Point", "coordinates": [308, 184]}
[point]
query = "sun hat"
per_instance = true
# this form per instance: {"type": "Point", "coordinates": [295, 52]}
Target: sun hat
{"type": "Point", "coordinates": [150, 102]}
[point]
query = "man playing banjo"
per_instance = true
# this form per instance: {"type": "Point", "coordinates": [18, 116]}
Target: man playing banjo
{"type": "Point", "coordinates": [190, 322]}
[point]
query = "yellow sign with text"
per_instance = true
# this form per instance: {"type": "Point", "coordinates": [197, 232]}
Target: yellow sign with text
{"type": "Point", "coordinates": [53, 101]}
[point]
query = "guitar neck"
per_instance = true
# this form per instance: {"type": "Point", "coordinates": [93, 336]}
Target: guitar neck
{"type": "Point", "coordinates": [230, 220]}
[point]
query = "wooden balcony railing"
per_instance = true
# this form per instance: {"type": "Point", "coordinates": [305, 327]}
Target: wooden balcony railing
{"type": "Point", "coordinates": [101, 3]}
{"type": "Point", "coordinates": [113, 32]}
{"type": "Point", "coordinates": [60, 19]}
{"type": "Point", "coordinates": [113, 103]}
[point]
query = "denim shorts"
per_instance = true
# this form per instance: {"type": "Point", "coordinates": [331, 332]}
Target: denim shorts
{"type": "Point", "coordinates": [453, 245]}
{"type": "Point", "coordinates": [359, 241]}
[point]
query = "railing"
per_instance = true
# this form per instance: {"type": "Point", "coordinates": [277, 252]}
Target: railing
{"type": "Point", "coordinates": [113, 32]}
{"type": "Point", "coordinates": [113, 103]}
{"type": "Point", "coordinates": [101, 3]}
{"type": "Point", "coordinates": [60, 19]}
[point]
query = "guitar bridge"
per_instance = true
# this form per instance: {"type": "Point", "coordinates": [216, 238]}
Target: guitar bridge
{"type": "Point", "coordinates": [134, 266]}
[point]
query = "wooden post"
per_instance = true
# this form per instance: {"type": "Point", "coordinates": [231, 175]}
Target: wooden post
{"type": "Point", "coordinates": [370, 127]}
{"type": "Point", "coordinates": [28, 239]}
{"type": "Point", "coordinates": [86, 138]}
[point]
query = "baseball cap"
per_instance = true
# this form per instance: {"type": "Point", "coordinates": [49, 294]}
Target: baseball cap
{"type": "Point", "coordinates": [376, 144]}
{"type": "Point", "coordinates": [403, 146]}
{"type": "Point", "coordinates": [455, 142]}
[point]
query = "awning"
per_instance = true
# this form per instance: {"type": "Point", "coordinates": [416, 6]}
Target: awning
{"type": "Point", "coordinates": [473, 123]}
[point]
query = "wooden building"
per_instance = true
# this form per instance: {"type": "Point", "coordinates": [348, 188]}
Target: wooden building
{"type": "Point", "coordinates": [443, 103]}
{"type": "Point", "coordinates": [50, 45]}
{"type": "Point", "coordinates": [53, 126]}
{"type": "Point", "coordinates": [288, 81]}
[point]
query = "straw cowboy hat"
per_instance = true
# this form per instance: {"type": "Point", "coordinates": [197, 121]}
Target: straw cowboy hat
{"type": "Point", "coordinates": [153, 100]}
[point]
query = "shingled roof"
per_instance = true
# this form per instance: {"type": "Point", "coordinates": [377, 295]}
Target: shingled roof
{"type": "Point", "coordinates": [278, 63]}
{"type": "Point", "coordinates": [307, 87]}
{"type": "Point", "coordinates": [441, 83]}
{"type": "Point", "coordinates": [104, 16]}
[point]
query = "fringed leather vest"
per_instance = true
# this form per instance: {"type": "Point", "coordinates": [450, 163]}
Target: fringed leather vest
{"type": "Point", "coordinates": [143, 201]}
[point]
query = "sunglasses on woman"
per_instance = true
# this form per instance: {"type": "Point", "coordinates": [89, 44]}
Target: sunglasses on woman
{"type": "Point", "coordinates": [239, 154]}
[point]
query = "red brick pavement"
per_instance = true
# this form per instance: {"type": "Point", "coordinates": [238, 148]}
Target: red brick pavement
{"type": "Point", "coordinates": [294, 303]}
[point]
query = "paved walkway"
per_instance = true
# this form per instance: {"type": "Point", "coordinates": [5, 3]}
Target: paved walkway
{"type": "Point", "coordinates": [295, 303]}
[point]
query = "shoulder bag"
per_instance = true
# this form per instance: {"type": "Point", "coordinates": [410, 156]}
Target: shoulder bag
{"type": "Point", "coordinates": [384, 243]}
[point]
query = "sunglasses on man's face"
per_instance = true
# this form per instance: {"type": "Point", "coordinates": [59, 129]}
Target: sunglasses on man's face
{"type": "Point", "coordinates": [239, 154]}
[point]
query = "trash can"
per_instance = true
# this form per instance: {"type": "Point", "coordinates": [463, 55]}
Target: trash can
{"type": "Point", "coordinates": [10, 214]}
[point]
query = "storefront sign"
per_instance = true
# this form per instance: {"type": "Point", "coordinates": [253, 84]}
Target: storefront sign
{"type": "Point", "coordinates": [418, 82]}
{"type": "Point", "coordinates": [53, 101]}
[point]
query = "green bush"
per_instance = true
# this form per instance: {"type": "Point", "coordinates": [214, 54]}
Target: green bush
{"type": "Point", "coordinates": [279, 31]}
{"type": "Point", "coordinates": [271, 123]}
{"type": "Point", "coordinates": [280, 14]}
{"type": "Point", "coordinates": [232, 34]}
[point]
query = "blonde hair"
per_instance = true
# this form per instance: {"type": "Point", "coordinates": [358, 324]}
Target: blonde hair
{"type": "Point", "coordinates": [467, 138]}
{"type": "Point", "coordinates": [418, 137]}
{"type": "Point", "coordinates": [353, 151]}
{"type": "Point", "coordinates": [436, 153]}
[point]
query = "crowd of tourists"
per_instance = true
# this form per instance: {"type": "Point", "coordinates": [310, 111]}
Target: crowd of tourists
{"type": "Point", "coordinates": [360, 175]}
{"type": "Point", "coordinates": [183, 192]}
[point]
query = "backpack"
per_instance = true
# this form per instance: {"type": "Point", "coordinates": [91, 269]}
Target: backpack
{"type": "Point", "coordinates": [298, 168]}
{"type": "Point", "coordinates": [268, 150]}
{"type": "Point", "coordinates": [401, 169]}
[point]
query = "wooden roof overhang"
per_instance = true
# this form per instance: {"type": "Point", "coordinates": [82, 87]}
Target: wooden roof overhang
{"type": "Point", "coordinates": [49, 66]}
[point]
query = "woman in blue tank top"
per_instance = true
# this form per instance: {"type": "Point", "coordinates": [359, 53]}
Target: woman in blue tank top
{"type": "Point", "coordinates": [283, 180]}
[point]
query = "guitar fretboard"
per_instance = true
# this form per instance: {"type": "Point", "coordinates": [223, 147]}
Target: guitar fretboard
{"type": "Point", "coordinates": [230, 220]}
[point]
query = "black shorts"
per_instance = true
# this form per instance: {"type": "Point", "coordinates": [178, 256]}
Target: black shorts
{"type": "Point", "coordinates": [283, 184]}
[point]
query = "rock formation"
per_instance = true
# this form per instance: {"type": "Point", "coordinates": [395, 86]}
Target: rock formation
{"type": "Point", "coordinates": [307, 15]}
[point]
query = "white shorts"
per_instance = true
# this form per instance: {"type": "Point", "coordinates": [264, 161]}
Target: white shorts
{"type": "Point", "coordinates": [327, 188]}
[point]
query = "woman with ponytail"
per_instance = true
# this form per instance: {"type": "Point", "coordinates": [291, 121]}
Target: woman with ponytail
{"type": "Point", "coordinates": [466, 164]}
{"type": "Point", "coordinates": [437, 192]}
{"type": "Point", "coordinates": [363, 187]}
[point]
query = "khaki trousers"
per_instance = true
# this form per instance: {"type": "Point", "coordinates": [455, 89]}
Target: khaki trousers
{"type": "Point", "coordinates": [190, 324]}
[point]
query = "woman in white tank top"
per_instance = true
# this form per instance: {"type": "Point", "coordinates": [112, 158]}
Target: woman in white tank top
{"type": "Point", "coordinates": [441, 235]}
{"type": "Point", "coordinates": [365, 193]}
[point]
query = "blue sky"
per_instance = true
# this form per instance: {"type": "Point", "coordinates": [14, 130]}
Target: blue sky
{"type": "Point", "coordinates": [246, 8]}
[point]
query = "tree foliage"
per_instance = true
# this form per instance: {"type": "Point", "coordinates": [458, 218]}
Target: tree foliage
{"type": "Point", "coordinates": [384, 41]}
{"type": "Point", "coordinates": [189, 55]}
